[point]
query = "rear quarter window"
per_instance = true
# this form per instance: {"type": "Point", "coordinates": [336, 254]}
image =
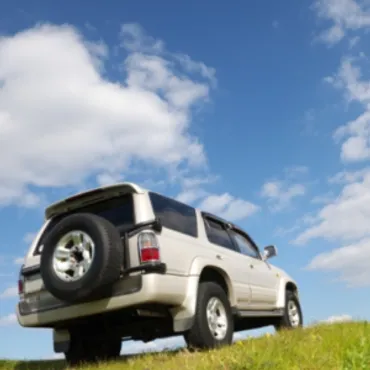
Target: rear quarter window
{"type": "Point", "coordinates": [217, 234]}
{"type": "Point", "coordinates": [175, 215]}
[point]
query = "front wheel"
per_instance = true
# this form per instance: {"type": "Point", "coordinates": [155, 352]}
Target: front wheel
{"type": "Point", "coordinates": [292, 317]}
{"type": "Point", "coordinates": [213, 324]}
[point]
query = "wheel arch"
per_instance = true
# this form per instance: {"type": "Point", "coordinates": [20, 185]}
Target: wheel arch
{"type": "Point", "coordinates": [219, 276]}
{"type": "Point", "coordinates": [202, 269]}
{"type": "Point", "coordinates": [286, 285]}
{"type": "Point", "coordinates": [292, 287]}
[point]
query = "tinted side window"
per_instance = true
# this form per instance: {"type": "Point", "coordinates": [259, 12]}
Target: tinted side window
{"type": "Point", "coordinates": [245, 246]}
{"type": "Point", "coordinates": [217, 234]}
{"type": "Point", "coordinates": [175, 215]}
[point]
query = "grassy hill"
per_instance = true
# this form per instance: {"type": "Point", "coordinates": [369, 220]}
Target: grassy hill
{"type": "Point", "coordinates": [343, 346]}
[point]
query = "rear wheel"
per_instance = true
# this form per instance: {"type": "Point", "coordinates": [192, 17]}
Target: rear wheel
{"type": "Point", "coordinates": [213, 324]}
{"type": "Point", "coordinates": [92, 349]}
{"type": "Point", "coordinates": [292, 317]}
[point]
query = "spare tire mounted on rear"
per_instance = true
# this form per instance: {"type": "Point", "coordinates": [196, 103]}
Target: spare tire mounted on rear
{"type": "Point", "coordinates": [82, 255]}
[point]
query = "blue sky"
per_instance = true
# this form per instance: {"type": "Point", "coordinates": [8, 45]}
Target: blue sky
{"type": "Point", "coordinates": [257, 111]}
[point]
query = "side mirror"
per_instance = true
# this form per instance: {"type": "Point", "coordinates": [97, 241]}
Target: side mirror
{"type": "Point", "coordinates": [269, 251]}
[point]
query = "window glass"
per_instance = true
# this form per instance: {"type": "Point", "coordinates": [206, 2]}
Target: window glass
{"type": "Point", "coordinates": [119, 211]}
{"type": "Point", "coordinates": [217, 234]}
{"type": "Point", "coordinates": [245, 246]}
{"type": "Point", "coordinates": [175, 215]}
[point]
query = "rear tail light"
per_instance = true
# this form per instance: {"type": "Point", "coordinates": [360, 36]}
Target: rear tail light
{"type": "Point", "coordinates": [148, 247]}
{"type": "Point", "coordinates": [20, 283]}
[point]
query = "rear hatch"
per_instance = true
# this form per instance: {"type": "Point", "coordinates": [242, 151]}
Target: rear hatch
{"type": "Point", "coordinates": [114, 203]}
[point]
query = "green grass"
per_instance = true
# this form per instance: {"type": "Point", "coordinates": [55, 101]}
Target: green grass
{"type": "Point", "coordinates": [343, 346]}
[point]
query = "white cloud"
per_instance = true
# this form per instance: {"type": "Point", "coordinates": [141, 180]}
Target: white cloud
{"type": "Point", "coordinates": [356, 146]}
{"type": "Point", "coordinates": [228, 207]}
{"type": "Point", "coordinates": [19, 261]}
{"type": "Point", "coordinates": [223, 205]}
{"type": "Point", "coordinates": [353, 42]}
{"type": "Point", "coordinates": [8, 320]}
{"type": "Point", "coordinates": [133, 347]}
{"type": "Point", "coordinates": [346, 218]}
{"type": "Point", "coordinates": [105, 179]}
{"type": "Point", "coordinates": [295, 171]}
{"type": "Point", "coordinates": [338, 318]}
{"type": "Point", "coordinates": [192, 188]}
{"type": "Point", "coordinates": [189, 196]}
{"type": "Point", "coordinates": [57, 356]}
{"type": "Point", "coordinates": [354, 136]}
{"type": "Point", "coordinates": [9, 293]}
{"type": "Point", "coordinates": [238, 336]}
{"type": "Point", "coordinates": [135, 40]}
{"type": "Point", "coordinates": [29, 237]}
{"type": "Point", "coordinates": [191, 182]}
{"type": "Point", "coordinates": [322, 199]}
{"type": "Point", "coordinates": [344, 16]}
{"type": "Point", "coordinates": [280, 195]}
{"type": "Point", "coordinates": [349, 77]}
{"type": "Point", "coordinates": [345, 177]}
{"type": "Point", "coordinates": [72, 123]}
{"type": "Point", "coordinates": [349, 262]}
{"type": "Point", "coordinates": [282, 231]}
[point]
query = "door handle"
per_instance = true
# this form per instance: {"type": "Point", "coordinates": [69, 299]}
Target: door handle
{"type": "Point", "coordinates": [251, 266]}
{"type": "Point", "coordinates": [219, 257]}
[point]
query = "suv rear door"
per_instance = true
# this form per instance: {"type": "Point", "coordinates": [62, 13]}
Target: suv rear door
{"type": "Point", "coordinates": [118, 210]}
{"type": "Point", "coordinates": [218, 236]}
{"type": "Point", "coordinates": [261, 277]}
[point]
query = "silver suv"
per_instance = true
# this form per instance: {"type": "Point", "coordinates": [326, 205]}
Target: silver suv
{"type": "Point", "coordinates": [120, 262]}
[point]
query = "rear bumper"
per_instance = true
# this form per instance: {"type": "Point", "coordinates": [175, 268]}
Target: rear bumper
{"type": "Point", "coordinates": [129, 291]}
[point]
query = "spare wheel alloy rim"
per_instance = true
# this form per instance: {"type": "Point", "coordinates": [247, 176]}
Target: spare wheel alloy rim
{"type": "Point", "coordinates": [73, 256]}
{"type": "Point", "coordinates": [217, 318]}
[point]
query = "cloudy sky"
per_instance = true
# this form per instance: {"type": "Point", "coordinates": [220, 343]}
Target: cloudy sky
{"type": "Point", "coordinates": [257, 111]}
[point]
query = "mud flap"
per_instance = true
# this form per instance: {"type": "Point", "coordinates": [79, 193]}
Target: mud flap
{"type": "Point", "coordinates": [183, 316]}
{"type": "Point", "coordinates": [61, 340]}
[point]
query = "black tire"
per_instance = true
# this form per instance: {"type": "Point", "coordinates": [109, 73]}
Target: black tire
{"type": "Point", "coordinates": [85, 350]}
{"type": "Point", "coordinates": [200, 335]}
{"type": "Point", "coordinates": [106, 264]}
{"type": "Point", "coordinates": [285, 321]}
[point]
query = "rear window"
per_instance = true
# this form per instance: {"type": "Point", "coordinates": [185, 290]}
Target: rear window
{"type": "Point", "coordinates": [119, 211]}
{"type": "Point", "coordinates": [175, 215]}
{"type": "Point", "coordinates": [217, 234]}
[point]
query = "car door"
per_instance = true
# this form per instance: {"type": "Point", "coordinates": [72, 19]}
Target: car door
{"type": "Point", "coordinates": [227, 252]}
{"type": "Point", "coordinates": [262, 279]}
